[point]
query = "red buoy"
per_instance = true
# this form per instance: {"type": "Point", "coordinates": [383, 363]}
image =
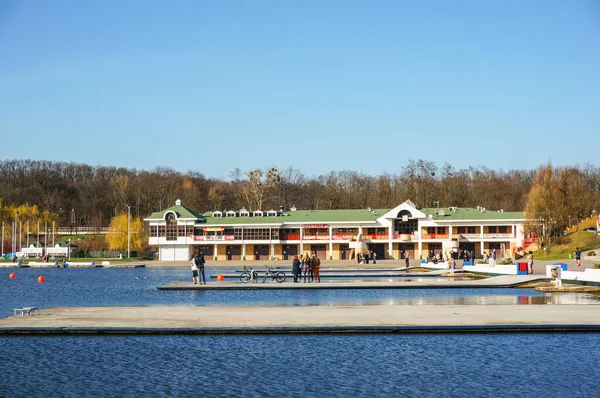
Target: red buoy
{"type": "Point", "coordinates": [12, 276]}
{"type": "Point", "coordinates": [41, 278]}
{"type": "Point", "coordinates": [220, 277]}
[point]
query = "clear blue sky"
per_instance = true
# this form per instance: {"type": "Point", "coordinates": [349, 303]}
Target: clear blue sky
{"type": "Point", "coordinates": [316, 85]}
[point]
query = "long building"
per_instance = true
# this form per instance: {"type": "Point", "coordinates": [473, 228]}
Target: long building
{"type": "Point", "coordinates": [179, 232]}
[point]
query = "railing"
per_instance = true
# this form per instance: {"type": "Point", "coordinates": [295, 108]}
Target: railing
{"type": "Point", "coordinates": [376, 237]}
{"type": "Point", "coordinates": [214, 237]}
{"type": "Point", "coordinates": [502, 235]}
{"type": "Point", "coordinates": [315, 237]}
{"type": "Point", "coordinates": [342, 237]}
{"type": "Point", "coordinates": [434, 236]}
{"type": "Point", "coordinates": [81, 230]}
{"type": "Point", "coordinates": [467, 236]}
{"type": "Point", "coordinates": [404, 237]}
{"type": "Point", "coordinates": [290, 237]}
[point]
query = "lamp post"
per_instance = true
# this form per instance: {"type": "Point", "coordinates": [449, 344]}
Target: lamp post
{"type": "Point", "coordinates": [128, 228]}
{"type": "Point", "coordinates": [69, 249]}
{"type": "Point", "coordinates": [15, 223]}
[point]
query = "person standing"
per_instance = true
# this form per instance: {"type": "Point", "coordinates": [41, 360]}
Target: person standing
{"type": "Point", "coordinates": [530, 262]}
{"type": "Point", "coordinates": [201, 262]}
{"type": "Point", "coordinates": [406, 258]}
{"type": "Point", "coordinates": [472, 257]}
{"type": "Point", "coordinates": [316, 266]}
{"type": "Point", "coordinates": [366, 257]}
{"type": "Point", "coordinates": [306, 266]}
{"type": "Point", "coordinates": [374, 257]}
{"type": "Point", "coordinates": [358, 258]}
{"type": "Point", "coordinates": [194, 270]}
{"type": "Point", "coordinates": [296, 269]}
{"type": "Point", "coordinates": [578, 257]}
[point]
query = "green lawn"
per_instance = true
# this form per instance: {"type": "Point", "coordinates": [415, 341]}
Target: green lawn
{"type": "Point", "coordinates": [566, 244]}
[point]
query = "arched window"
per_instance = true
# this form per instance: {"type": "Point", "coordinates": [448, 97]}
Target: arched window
{"type": "Point", "coordinates": [171, 220]}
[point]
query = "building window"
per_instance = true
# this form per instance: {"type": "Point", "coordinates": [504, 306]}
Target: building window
{"type": "Point", "coordinates": [472, 230]}
{"type": "Point", "coordinates": [441, 230]}
{"type": "Point", "coordinates": [503, 229]}
{"type": "Point", "coordinates": [492, 229]}
{"type": "Point", "coordinates": [462, 230]}
{"type": "Point", "coordinates": [405, 227]}
{"type": "Point", "coordinates": [431, 230]}
{"type": "Point", "coordinates": [171, 227]}
{"type": "Point", "coordinates": [257, 234]}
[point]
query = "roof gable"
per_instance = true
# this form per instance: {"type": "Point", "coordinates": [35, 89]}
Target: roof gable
{"type": "Point", "coordinates": [407, 206]}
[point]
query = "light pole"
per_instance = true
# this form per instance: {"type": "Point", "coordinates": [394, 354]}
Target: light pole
{"type": "Point", "coordinates": [69, 249]}
{"type": "Point", "coordinates": [128, 232]}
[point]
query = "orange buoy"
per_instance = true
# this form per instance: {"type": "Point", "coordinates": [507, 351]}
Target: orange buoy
{"type": "Point", "coordinates": [41, 278]}
{"type": "Point", "coordinates": [220, 277]}
{"type": "Point", "coordinates": [12, 276]}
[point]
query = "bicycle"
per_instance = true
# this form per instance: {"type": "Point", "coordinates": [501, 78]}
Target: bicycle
{"type": "Point", "coordinates": [249, 275]}
{"type": "Point", "coordinates": [277, 275]}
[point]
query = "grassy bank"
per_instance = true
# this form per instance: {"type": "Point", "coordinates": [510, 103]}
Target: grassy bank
{"type": "Point", "coordinates": [567, 244]}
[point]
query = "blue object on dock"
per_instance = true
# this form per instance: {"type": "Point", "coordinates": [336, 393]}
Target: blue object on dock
{"type": "Point", "coordinates": [563, 266]}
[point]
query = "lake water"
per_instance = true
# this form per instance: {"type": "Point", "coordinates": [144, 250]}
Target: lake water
{"type": "Point", "coordinates": [137, 286]}
{"type": "Point", "coordinates": [373, 365]}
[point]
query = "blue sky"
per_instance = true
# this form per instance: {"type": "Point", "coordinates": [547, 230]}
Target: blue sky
{"type": "Point", "coordinates": [315, 85]}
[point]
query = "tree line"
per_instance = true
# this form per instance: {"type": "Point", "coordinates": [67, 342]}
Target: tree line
{"type": "Point", "coordinates": [85, 195]}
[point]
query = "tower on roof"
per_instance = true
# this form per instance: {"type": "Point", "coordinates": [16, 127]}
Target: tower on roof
{"type": "Point", "coordinates": [178, 202]}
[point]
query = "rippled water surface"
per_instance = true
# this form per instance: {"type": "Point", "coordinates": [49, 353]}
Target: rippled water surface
{"type": "Point", "coordinates": [383, 365]}
{"type": "Point", "coordinates": [112, 287]}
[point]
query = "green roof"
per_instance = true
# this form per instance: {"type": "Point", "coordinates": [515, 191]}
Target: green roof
{"type": "Point", "coordinates": [472, 214]}
{"type": "Point", "coordinates": [180, 210]}
{"type": "Point", "coordinates": [300, 216]}
{"type": "Point", "coordinates": [333, 216]}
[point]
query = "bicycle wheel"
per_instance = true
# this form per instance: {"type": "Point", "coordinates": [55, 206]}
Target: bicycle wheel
{"type": "Point", "coordinates": [280, 277]}
{"type": "Point", "coordinates": [245, 277]}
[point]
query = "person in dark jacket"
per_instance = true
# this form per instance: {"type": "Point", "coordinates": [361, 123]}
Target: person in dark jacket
{"type": "Point", "coordinates": [296, 269]}
{"type": "Point", "coordinates": [200, 264]}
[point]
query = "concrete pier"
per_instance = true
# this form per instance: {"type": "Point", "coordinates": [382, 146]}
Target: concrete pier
{"type": "Point", "coordinates": [306, 319]}
{"type": "Point", "coordinates": [426, 283]}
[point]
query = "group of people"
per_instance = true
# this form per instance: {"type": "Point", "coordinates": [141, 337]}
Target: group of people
{"type": "Point", "coordinates": [307, 265]}
{"type": "Point", "coordinates": [366, 257]}
{"type": "Point", "coordinates": [198, 269]}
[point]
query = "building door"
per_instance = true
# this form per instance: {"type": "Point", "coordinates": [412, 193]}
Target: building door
{"type": "Point", "coordinates": [320, 250]}
{"type": "Point", "coordinates": [406, 248]}
{"type": "Point", "coordinates": [261, 252]}
{"type": "Point", "coordinates": [234, 252]}
{"type": "Point", "coordinates": [377, 248]}
{"type": "Point", "coordinates": [433, 249]}
{"type": "Point", "coordinates": [206, 250]}
{"type": "Point", "coordinates": [468, 246]}
{"type": "Point", "coordinates": [289, 251]}
{"type": "Point", "coordinates": [345, 252]}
